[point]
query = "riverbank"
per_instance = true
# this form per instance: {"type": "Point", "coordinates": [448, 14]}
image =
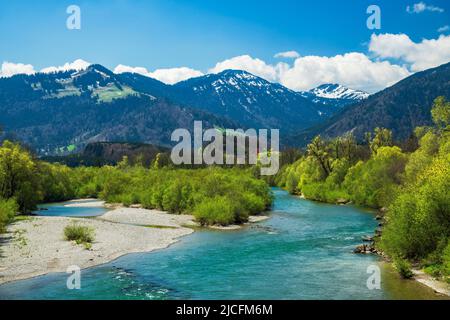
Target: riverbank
{"type": "Point", "coordinates": [36, 246]}
{"type": "Point", "coordinates": [439, 287]}
{"type": "Point", "coordinates": [306, 245]}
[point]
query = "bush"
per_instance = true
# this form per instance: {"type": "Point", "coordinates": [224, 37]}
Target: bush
{"type": "Point", "coordinates": [8, 209]}
{"type": "Point", "coordinates": [374, 183]}
{"type": "Point", "coordinates": [218, 210]}
{"type": "Point", "coordinates": [80, 234]}
{"type": "Point", "coordinates": [30, 181]}
{"type": "Point", "coordinates": [404, 268]}
{"type": "Point", "coordinates": [252, 203]}
{"type": "Point", "coordinates": [419, 219]}
{"type": "Point", "coordinates": [446, 263]}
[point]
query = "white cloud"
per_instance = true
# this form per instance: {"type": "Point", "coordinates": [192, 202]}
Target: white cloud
{"type": "Point", "coordinates": [174, 75]}
{"type": "Point", "coordinates": [253, 65]}
{"type": "Point", "coordinates": [354, 70]}
{"type": "Point", "coordinates": [443, 29]}
{"type": "Point", "coordinates": [122, 69]}
{"type": "Point", "coordinates": [420, 56]}
{"type": "Point", "coordinates": [168, 76]}
{"type": "Point", "coordinates": [392, 58]}
{"type": "Point", "coordinates": [10, 69]}
{"type": "Point", "coordinates": [77, 65]}
{"type": "Point", "coordinates": [287, 54]}
{"type": "Point", "coordinates": [421, 7]}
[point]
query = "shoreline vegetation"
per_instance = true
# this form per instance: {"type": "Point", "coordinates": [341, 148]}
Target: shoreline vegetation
{"type": "Point", "coordinates": [38, 245]}
{"type": "Point", "coordinates": [407, 183]}
{"type": "Point", "coordinates": [212, 197]}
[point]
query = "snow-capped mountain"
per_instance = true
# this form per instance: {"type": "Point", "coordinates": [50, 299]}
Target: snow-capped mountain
{"type": "Point", "coordinates": [337, 91]}
{"type": "Point", "coordinates": [56, 113]}
{"type": "Point", "coordinates": [95, 81]}
{"type": "Point", "coordinates": [248, 99]}
{"type": "Point", "coordinates": [330, 98]}
{"type": "Point", "coordinates": [96, 104]}
{"type": "Point", "coordinates": [400, 108]}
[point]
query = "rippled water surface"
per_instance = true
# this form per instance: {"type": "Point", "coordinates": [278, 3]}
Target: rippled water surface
{"type": "Point", "coordinates": [303, 252]}
{"type": "Point", "coordinates": [60, 209]}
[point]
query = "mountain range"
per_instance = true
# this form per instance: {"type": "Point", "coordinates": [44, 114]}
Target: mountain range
{"type": "Point", "coordinates": [400, 108]}
{"type": "Point", "coordinates": [64, 111]}
{"type": "Point", "coordinates": [61, 112]}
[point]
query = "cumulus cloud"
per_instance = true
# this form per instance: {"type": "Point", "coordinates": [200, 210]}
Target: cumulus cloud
{"type": "Point", "coordinates": [77, 65]}
{"type": "Point", "coordinates": [354, 70]}
{"type": "Point", "coordinates": [253, 65]}
{"type": "Point", "coordinates": [443, 29]}
{"type": "Point", "coordinates": [122, 69]}
{"type": "Point", "coordinates": [390, 58]}
{"type": "Point", "coordinates": [168, 76]}
{"type": "Point", "coordinates": [287, 54]}
{"type": "Point", "coordinates": [174, 75]}
{"type": "Point", "coordinates": [10, 69]}
{"type": "Point", "coordinates": [420, 56]}
{"type": "Point", "coordinates": [422, 7]}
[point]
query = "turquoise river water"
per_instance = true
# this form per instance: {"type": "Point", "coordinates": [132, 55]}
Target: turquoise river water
{"type": "Point", "coordinates": [304, 251]}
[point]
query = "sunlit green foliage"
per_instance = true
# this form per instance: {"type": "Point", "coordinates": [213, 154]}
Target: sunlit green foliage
{"type": "Point", "coordinates": [17, 176]}
{"type": "Point", "coordinates": [217, 210]}
{"type": "Point", "coordinates": [441, 113]}
{"type": "Point", "coordinates": [80, 234]}
{"type": "Point", "coordinates": [374, 182]}
{"type": "Point", "coordinates": [419, 218]}
{"type": "Point", "coordinates": [8, 209]}
{"type": "Point", "coordinates": [30, 181]}
{"type": "Point", "coordinates": [382, 138]}
{"type": "Point", "coordinates": [403, 267]}
{"type": "Point", "coordinates": [185, 191]}
{"type": "Point", "coordinates": [413, 186]}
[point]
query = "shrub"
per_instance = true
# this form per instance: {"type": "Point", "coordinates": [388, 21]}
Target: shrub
{"type": "Point", "coordinates": [446, 263]}
{"type": "Point", "coordinates": [435, 270]}
{"type": "Point", "coordinates": [172, 199]}
{"type": "Point", "coordinates": [8, 209]}
{"type": "Point", "coordinates": [419, 219]}
{"type": "Point", "coordinates": [252, 203]}
{"type": "Point", "coordinates": [145, 199]}
{"type": "Point", "coordinates": [404, 268]}
{"type": "Point", "coordinates": [30, 181]}
{"type": "Point", "coordinates": [80, 234]}
{"type": "Point", "coordinates": [373, 183]}
{"type": "Point", "coordinates": [218, 210]}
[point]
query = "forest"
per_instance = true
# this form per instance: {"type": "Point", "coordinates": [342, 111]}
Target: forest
{"type": "Point", "coordinates": [214, 195]}
{"type": "Point", "coordinates": [408, 182]}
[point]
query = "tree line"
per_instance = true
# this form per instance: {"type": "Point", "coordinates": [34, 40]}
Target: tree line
{"type": "Point", "coordinates": [411, 184]}
{"type": "Point", "coordinates": [214, 195]}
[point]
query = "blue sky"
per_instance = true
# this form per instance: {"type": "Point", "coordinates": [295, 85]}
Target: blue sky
{"type": "Point", "coordinates": [200, 33]}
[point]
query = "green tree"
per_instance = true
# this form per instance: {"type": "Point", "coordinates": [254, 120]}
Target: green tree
{"type": "Point", "coordinates": [374, 182]}
{"type": "Point", "coordinates": [382, 138]}
{"type": "Point", "coordinates": [18, 176]}
{"type": "Point", "coordinates": [319, 150]}
{"type": "Point", "coordinates": [8, 209]}
{"type": "Point", "coordinates": [440, 113]}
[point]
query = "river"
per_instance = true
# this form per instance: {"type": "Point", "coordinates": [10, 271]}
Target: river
{"type": "Point", "coordinates": [304, 251]}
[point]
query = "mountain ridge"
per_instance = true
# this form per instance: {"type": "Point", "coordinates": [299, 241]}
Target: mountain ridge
{"type": "Point", "coordinates": [96, 104]}
{"type": "Point", "coordinates": [400, 108]}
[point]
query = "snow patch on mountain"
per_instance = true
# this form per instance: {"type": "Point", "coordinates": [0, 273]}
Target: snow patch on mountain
{"type": "Point", "coordinates": [337, 91]}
